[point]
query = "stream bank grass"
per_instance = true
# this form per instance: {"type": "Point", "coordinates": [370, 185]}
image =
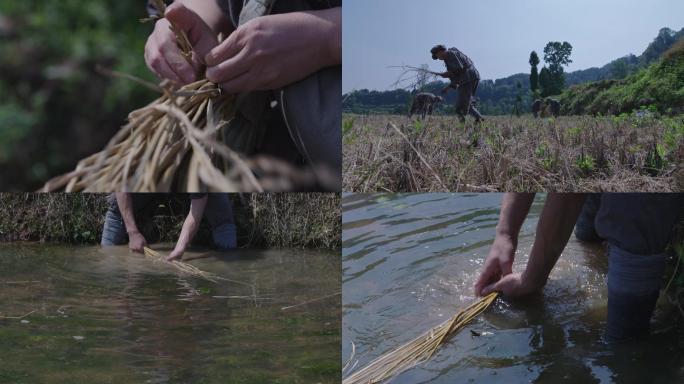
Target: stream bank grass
{"type": "Point", "coordinates": [567, 154]}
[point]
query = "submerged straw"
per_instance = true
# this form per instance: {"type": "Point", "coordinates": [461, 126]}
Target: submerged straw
{"type": "Point", "coordinates": [419, 349]}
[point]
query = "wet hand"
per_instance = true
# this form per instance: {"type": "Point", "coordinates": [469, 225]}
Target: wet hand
{"type": "Point", "coordinates": [511, 285]}
{"type": "Point", "coordinates": [162, 54]}
{"type": "Point", "coordinates": [498, 264]}
{"type": "Point", "coordinates": [175, 255]}
{"type": "Point", "coordinates": [273, 51]}
{"type": "Point", "coordinates": [136, 242]}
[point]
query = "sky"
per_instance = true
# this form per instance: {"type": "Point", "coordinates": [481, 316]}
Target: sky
{"type": "Point", "coordinates": [497, 34]}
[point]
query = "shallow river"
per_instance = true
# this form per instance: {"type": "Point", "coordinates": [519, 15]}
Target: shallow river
{"type": "Point", "coordinates": [101, 316]}
{"type": "Point", "coordinates": [409, 263]}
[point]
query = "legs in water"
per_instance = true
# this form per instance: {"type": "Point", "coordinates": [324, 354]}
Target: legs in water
{"type": "Point", "coordinates": [638, 228]}
{"type": "Point", "coordinates": [219, 214]}
{"type": "Point", "coordinates": [585, 230]}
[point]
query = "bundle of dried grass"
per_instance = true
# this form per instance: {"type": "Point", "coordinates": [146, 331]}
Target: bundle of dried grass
{"type": "Point", "coordinates": [419, 349]}
{"type": "Point", "coordinates": [174, 144]}
{"type": "Point", "coordinates": [183, 267]}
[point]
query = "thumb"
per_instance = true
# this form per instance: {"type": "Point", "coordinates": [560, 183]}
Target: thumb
{"type": "Point", "coordinates": [201, 36]}
{"type": "Point", "coordinates": [491, 288]}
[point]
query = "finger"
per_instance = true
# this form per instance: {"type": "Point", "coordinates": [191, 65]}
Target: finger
{"type": "Point", "coordinates": [488, 289]}
{"type": "Point", "coordinates": [201, 36]}
{"type": "Point", "coordinates": [162, 69]}
{"type": "Point", "coordinates": [230, 69]}
{"type": "Point", "coordinates": [489, 273]}
{"type": "Point", "coordinates": [175, 60]}
{"type": "Point", "coordinates": [243, 83]}
{"type": "Point", "coordinates": [224, 51]}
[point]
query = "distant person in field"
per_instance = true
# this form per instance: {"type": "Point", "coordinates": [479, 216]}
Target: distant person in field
{"type": "Point", "coordinates": [283, 59]}
{"type": "Point", "coordinates": [127, 210]}
{"type": "Point", "coordinates": [463, 76]}
{"type": "Point", "coordinates": [424, 103]}
{"type": "Point", "coordinates": [537, 107]}
{"type": "Point", "coordinates": [546, 106]}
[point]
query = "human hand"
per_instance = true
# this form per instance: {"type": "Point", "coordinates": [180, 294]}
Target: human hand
{"type": "Point", "coordinates": [136, 242]}
{"type": "Point", "coordinates": [176, 254]}
{"type": "Point", "coordinates": [162, 54]}
{"type": "Point", "coordinates": [273, 51]}
{"type": "Point", "coordinates": [512, 285]}
{"type": "Point", "coordinates": [498, 264]}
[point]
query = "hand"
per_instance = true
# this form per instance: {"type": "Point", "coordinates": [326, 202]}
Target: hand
{"type": "Point", "coordinates": [136, 242]}
{"type": "Point", "coordinates": [498, 264]}
{"type": "Point", "coordinates": [162, 54]}
{"type": "Point", "coordinates": [273, 51]}
{"type": "Point", "coordinates": [445, 75]}
{"type": "Point", "coordinates": [176, 254]}
{"type": "Point", "coordinates": [512, 285]}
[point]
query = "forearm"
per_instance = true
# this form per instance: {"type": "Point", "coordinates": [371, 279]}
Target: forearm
{"type": "Point", "coordinates": [191, 224]}
{"type": "Point", "coordinates": [125, 203]}
{"type": "Point", "coordinates": [190, 227]}
{"type": "Point", "coordinates": [211, 13]}
{"type": "Point", "coordinates": [514, 209]}
{"type": "Point", "coordinates": [554, 228]}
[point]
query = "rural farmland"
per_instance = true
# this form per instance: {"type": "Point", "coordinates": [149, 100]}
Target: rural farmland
{"type": "Point", "coordinates": [630, 152]}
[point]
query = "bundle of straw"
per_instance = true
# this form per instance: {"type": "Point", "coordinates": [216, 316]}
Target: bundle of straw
{"type": "Point", "coordinates": [184, 268]}
{"type": "Point", "coordinates": [419, 349]}
{"type": "Point", "coordinates": [174, 144]}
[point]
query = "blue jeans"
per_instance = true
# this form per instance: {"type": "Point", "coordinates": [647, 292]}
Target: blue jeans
{"type": "Point", "coordinates": [638, 228]}
{"type": "Point", "coordinates": [218, 213]}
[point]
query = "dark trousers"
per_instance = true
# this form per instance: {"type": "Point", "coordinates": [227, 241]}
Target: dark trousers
{"type": "Point", "coordinates": [638, 228]}
{"type": "Point", "coordinates": [218, 213]}
{"type": "Point", "coordinates": [466, 93]}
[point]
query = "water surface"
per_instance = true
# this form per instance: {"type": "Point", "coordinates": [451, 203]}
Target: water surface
{"type": "Point", "coordinates": [109, 316]}
{"type": "Point", "coordinates": [409, 263]}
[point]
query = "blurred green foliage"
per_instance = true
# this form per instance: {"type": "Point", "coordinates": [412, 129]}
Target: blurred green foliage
{"type": "Point", "coordinates": [659, 86]}
{"type": "Point", "coordinates": [55, 108]}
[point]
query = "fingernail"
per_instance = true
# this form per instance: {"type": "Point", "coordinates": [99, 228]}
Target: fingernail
{"type": "Point", "coordinates": [209, 59]}
{"type": "Point", "coordinates": [211, 74]}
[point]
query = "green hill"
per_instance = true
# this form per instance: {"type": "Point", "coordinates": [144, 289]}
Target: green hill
{"type": "Point", "coordinates": [658, 86]}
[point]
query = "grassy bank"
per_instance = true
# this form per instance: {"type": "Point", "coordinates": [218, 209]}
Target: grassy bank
{"type": "Point", "coordinates": [576, 153]}
{"type": "Point", "coordinates": [263, 220]}
{"type": "Point", "coordinates": [659, 87]}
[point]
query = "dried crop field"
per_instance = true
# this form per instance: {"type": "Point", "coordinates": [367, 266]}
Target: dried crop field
{"type": "Point", "coordinates": [569, 153]}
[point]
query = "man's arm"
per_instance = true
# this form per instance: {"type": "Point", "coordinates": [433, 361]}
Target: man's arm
{"type": "Point", "coordinates": [136, 241]}
{"type": "Point", "coordinates": [190, 227]}
{"type": "Point", "coordinates": [554, 228]}
{"type": "Point", "coordinates": [514, 209]}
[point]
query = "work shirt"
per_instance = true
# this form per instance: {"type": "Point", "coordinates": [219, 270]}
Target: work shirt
{"type": "Point", "coordinates": [460, 67]}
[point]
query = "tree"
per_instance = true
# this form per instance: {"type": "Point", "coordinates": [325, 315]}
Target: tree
{"type": "Point", "coordinates": [619, 69]}
{"type": "Point", "coordinates": [545, 82]}
{"type": "Point", "coordinates": [517, 107]}
{"type": "Point", "coordinates": [557, 55]}
{"type": "Point", "coordinates": [534, 74]}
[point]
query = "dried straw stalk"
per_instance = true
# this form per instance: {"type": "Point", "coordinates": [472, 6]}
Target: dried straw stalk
{"type": "Point", "coordinates": [191, 270]}
{"type": "Point", "coordinates": [419, 349]}
{"type": "Point", "coordinates": [174, 144]}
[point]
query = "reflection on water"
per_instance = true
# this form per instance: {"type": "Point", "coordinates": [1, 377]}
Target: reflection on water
{"type": "Point", "coordinates": [105, 315]}
{"type": "Point", "coordinates": [409, 262]}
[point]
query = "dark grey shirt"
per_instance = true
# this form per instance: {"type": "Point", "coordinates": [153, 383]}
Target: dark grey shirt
{"type": "Point", "coordinates": [460, 67]}
{"type": "Point", "coordinates": [233, 8]}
